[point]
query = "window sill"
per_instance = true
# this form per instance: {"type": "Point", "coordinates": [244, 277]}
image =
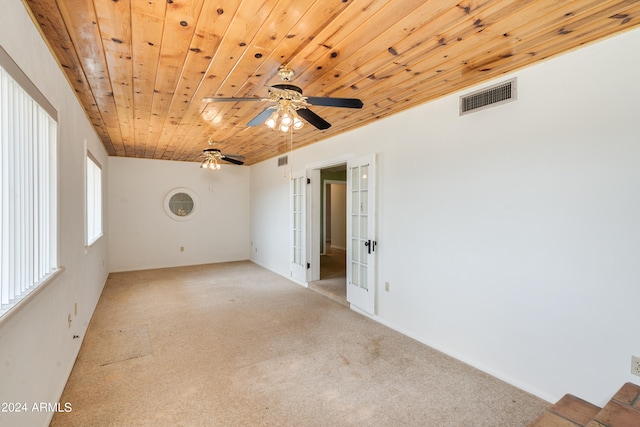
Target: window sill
{"type": "Point", "coordinates": [93, 242]}
{"type": "Point", "coordinates": [9, 313]}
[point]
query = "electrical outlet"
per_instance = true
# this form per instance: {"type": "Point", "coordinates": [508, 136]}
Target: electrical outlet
{"type": "Point", "coordinates": [635, 365]}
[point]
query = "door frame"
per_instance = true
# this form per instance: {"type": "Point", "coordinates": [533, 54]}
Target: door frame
{"type": "Point", "coordinates": [313, 236]}
{"type": "Point", "coordinates": [315, 206]}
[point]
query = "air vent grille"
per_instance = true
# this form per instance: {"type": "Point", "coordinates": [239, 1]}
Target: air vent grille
{"type": "Point", "coordinates": [489, 97]}
{"type": "Point", "coordinates": [283, 161]}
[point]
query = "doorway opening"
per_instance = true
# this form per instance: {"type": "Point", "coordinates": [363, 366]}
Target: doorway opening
{"type": "Point", "coordinates": [333, 234]}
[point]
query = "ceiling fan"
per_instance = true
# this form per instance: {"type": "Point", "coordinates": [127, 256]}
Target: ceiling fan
{"type": "Point", "coordinates": [212, 157]}
{"type": "Point", "coordinates": [290, 105]}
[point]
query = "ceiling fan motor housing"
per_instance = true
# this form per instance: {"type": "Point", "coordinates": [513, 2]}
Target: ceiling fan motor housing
{"type": "Point", "coordinates": [288, 87]}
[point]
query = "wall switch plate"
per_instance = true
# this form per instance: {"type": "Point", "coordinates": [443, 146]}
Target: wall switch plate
{"type": "Point", "coordinates": [386, 286]}
{"type": "Point", "coordinates": [635, 365]}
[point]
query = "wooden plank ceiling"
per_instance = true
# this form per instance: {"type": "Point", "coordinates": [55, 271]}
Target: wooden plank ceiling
{"type": "Point", "coordinates": [141, 67]}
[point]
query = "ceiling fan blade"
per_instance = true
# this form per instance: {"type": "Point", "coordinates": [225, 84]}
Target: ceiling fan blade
{"type": "Point", "coordinates": [313, 118]}
{"type": "Point", "coordinates": [213, 99]}
{"type": "Point", "coordinates": [260, 118]}
{"type": "Point", "coordinates": [335, 102]}
{"type": "Point", "coordinates": [230, 160]}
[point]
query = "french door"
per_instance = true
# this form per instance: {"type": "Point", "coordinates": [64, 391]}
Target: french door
{"type": "Point", "coordinates": [361, 243]}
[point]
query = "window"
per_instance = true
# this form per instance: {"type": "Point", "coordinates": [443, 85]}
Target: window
{"type": "Point", "coordinates": [181, 204]}
{"type": "Point", "coordinates": [94, 199]}
{"type": "Point", "coordinates": [28, 248]}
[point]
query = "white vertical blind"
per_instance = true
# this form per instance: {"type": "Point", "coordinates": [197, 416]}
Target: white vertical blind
{"type": "Point", "coordinates": [27, 193]}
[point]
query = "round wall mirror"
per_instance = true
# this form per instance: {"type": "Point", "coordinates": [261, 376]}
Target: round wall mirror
{"type": "Point", "coordinates": [181, 204]}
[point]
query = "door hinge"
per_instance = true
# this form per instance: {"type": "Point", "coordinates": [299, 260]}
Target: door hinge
{"type": "Point", "coordinates": [308, 180]}
{"type": "Point", "coordinates": [308, 265]}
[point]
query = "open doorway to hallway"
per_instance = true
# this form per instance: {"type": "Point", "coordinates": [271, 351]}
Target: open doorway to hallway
{"type": "Point", "coordinates": [333, 232]}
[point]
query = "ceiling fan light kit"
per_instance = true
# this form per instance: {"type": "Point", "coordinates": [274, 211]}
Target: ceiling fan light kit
{"type": "Point", "coordinates": [284, 118]}
{"type": "Point", "coordinates": [210, 164]}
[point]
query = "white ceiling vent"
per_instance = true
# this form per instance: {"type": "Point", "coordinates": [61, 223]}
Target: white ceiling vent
{"type": "Point", "coordinates": [283, 161]}
{"type": "Point", "coordinates": [500, 93]}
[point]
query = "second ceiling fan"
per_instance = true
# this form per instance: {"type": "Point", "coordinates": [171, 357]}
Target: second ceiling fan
{"type": "Point", "coordinates": [290, 105]}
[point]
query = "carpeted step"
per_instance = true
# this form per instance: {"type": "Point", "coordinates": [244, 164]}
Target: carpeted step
{"type": "Point", "coordinates": [570, 411]}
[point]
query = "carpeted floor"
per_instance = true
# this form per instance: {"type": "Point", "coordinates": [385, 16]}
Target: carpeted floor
{"type": "Point", "coordinates": [333, 280]}
{"type": "Point", "coordinates": [233, 344]}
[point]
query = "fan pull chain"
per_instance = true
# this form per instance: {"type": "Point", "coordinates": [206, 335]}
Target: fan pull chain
{"type": "Point", "coordinates": [284, 169]}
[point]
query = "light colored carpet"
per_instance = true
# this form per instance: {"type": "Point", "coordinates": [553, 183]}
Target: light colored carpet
{"type": "Point", "coordinates": [233, 344]}
{"type": "Point", "coordinates": [333, 280]}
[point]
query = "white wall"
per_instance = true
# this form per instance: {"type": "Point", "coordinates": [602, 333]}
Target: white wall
{"type": "Point", "coordinates": [37, 349]}
{"type": "Point", "coordinates": [510, 237]}
{"type": "Point", "coordinates": [270, 216]}
{"type": "Point", "coordinates": [143, 236]}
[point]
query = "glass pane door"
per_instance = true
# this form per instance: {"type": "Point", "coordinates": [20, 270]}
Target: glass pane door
{"type": "Point", "coordinates": [298, 227]}
{"type": "Point", "coordinates": [361, 242]}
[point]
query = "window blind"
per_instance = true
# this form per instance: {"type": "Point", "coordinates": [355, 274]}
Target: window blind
{"type": "Point", "coordinates": [27, 192]}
